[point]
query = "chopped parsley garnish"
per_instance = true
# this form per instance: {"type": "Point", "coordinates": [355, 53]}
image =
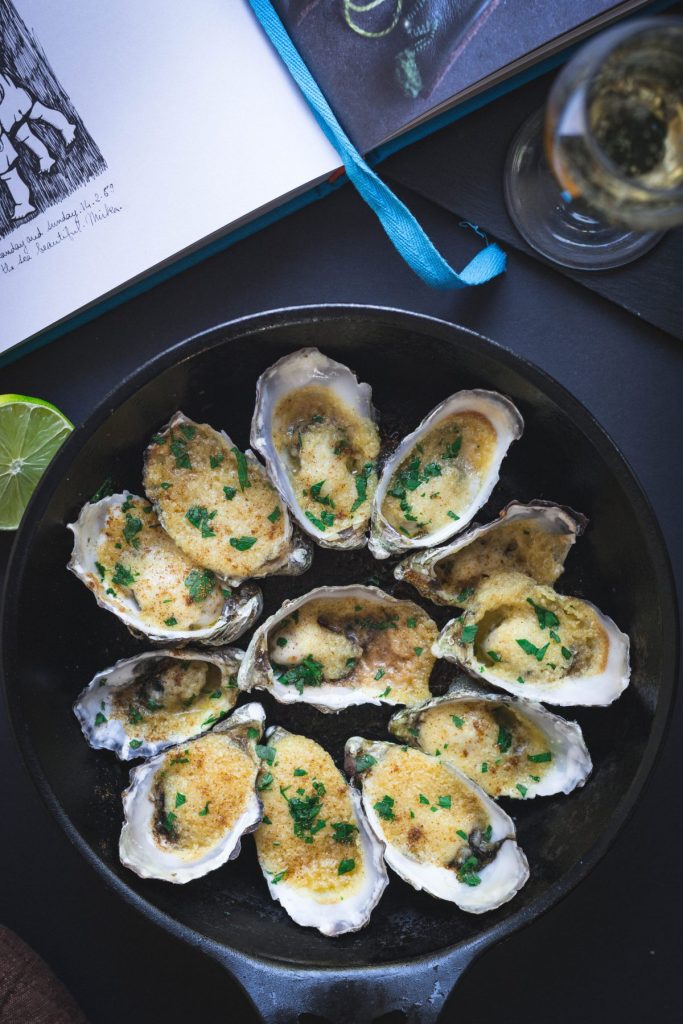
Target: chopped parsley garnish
{"type": "Point", "coordinates": [100, 719]}
{"type": "Point", "coordinates": [520, 680]}
{"type": "Point", "coordinates": [135, 744]}
{"type": "Point", "coordinates": [200, 517]}
{"type": "Point", "coordinates": [317, 418]}
{"type": "Point", "coordinates": [299, 772]}
{"type": "Point", "coordinates": [464, 595]}
{"type": "Point", "coordinates": [200, 583]}
{"type": "Point", "coordinates": [215, 460]}
{"type": "Point", "coordinates": [134, 716]}
{"type": "Point", "coordinates": [216, 694]}
{"type": "Point", "coordinates": [275, 514]}
{"type": "Point", "coordinates": [452, 515]}
{"type": "Point", "coordinates": [484, 767]}
{"type": "Point", "coordinates": [128, 504]}
{"type": "Point", "coordinates": [384, 693]}
{"type": "Point", "coordinates": [103, 491]}
{"type": "Point", "coordinates": [180, 799]}
{"type": "Point", "coordinates": [504, 740]}
{"type": "Point", "coordinates": [252, 733]}
{"type": "Point", "coordinates": [379, 673]}
{"type": "Point", "coordinates": [545, 617]}
{"type": "Point", "coordinates": [165, 485]}
{"type": "Point", "coordinates": [540, 758]}
{"type": "Point", "coordinates": [180, 454]}
{"type": "Point", "coordinates": [171, 621]}
{"type": "Point", "coordinates": [468, 634]}
{"type": "Point", "coordinates": [265, 782]}
{"type": "Point", "coordinates": [168, 821]}
{"type": "Point", "coordinates": [278, 877]}
{"type": "Point", "coordinates": [364, 762]}
{"type": "Point", "coordinates": [305, 811]}
{"type": "Point", "coordinates": [265, 753]}
{"type": "Point", "coordinates": [411, 623]}
{"type": "Point", "coordinates": [308, 673]}
{"type": "Point", "coordinates": [522, 789]}
{"type": "Point", "coordinates": [188, 431]}
{"type": "Point", "coordinates": [532, 650]}
{"type": "Point", "coordinates": [535, 778]}
{"type": "Point", "coordinates": [444, 801]}
{"type": "Point", "coordinates": [229, 493]}
{"type": "Point", "coordinates": [423, 799]}
{"type": "Point", "coordinates": [242, 469]}
{"type": "Point", "coordinates": [494, 656]}
{"type": "Point", "coordinates": [362, 485]}
{"type": "Point", "coordinates": [566, 653]}
{"type": "Point", "coordinates": [467, 873]}
{"type": "Point", "coordinates": [487, 833]}
{"type": "Point", "coordinates": [100, 569]}
{"type": "Point", "coordinates": [326, 519]}
{"type": "Point", "coordinates": [266, 820]}
{"type": "Point", "coordinates": [343, 831]}
{"type": "Point", "coordinates": [384, 808]}
{"type": "Point", "coordinates": [214, 718]}
{"type": "Point", "coordinates": [463, 835]}
{"type": "Point", "coordinates": [457, 721]}
{"type": "Point", "coordinates": [346, 865]}
{"type": "Point", "coordinates": [418, 651]}
{"type": "Point", "coordinates": [123, 577]}
{"type": "Point", "coordinates": [453, 448]}
{"type": "Point", "coordinates": [205, 810]}
{"type": "Point", "coordinates": [184, 759]}
{"type": "Point", "coordinates": [158, 439]}
{"type": "Point", "coordinates": [131, 529]}
{"type": "Point", "coordinates": [281, 641]}
{"type": "Point", "coordinates": [554, 636]}
{"type": "Point", "coordinates": [242, 543]}
{"type": "Point", "coordinates": [322, 499]}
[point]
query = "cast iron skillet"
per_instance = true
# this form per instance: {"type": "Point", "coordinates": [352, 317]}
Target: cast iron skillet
{"type": "Point", "coordinates": [55, 638]}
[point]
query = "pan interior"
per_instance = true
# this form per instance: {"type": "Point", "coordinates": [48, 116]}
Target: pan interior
{"type": "Point", "coordinates": [57, 638]}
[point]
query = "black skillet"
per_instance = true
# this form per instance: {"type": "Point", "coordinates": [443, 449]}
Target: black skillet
{"type": "Point", "coordinates": [55, 638]}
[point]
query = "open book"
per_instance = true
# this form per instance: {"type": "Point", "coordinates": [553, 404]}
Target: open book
{"type": "Point", "coordinates": [134, 133]}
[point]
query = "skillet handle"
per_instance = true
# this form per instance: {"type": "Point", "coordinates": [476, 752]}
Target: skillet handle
{"type": "Point", "coordinates": [418, 988]}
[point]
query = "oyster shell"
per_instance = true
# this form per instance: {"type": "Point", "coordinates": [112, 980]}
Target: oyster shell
{"type": "Point", "coordinates": [535, 643]}
{"type": "Point", "coordinates": [314, 425]}
{"type": "Point", "coordinates": [317, 853]}
{"type": "Point", "coordinates": [508, 746]}
{"type": "Point", "coordinates": [443, 472]}
{"type": "Point", "coordinates": [219, 505]}
{"type": "Point", "coordinates": [135, 570]}
{"type": "Point", "coordinates": [144, 704]}
{"type": "Point", "coordinates": [441, 832]}
{"type": "Point", "coordinates": [186, 810]}
{"type": "Point", "coordinates": [534, 539]}
{"type": "Point", "coordinates": [339, 646]}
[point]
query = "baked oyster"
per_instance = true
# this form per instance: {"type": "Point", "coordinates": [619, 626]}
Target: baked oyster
{"type": "Point", "coordinates": [535, 643]}
{"type": "Point", "coordinates": [219, 505]}
{"type": "Point", "coordinates": [534, 539]}
{"type": "Point", "coordinates": [509, 746]}
{"type": "Point", "coordinates": [135, 570]}
{"type": "Point", "coordinates": [339, 646]}
{"type": "Point", "coordinates": [144, 704]}
{"type": "Point", "coordinates": [186, 810]}
{"type": "Point", "coordinates": [314, 425]}
{"type": "Point", "coordinates": [441, 832]}
{"type": "Point", "coordinates": [316, 851]}
{"type": "Point", "coordinates": [443, 472]}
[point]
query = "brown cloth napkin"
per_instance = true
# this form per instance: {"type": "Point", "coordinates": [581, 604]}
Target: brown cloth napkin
{"type": "Point", "coordinates": [29, 991]}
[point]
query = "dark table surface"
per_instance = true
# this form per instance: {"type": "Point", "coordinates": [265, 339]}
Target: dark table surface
{"type": "Point", "coordinates": [609, 951]}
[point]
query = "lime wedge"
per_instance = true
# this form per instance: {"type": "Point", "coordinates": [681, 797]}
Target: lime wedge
{"type": "Point", "coordinates": [31, 431]}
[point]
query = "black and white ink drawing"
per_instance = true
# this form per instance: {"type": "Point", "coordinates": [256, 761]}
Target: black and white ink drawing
{"type": "Point", "coordinates": [46, 152]}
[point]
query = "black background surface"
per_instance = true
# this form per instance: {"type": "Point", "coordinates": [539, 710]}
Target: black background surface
{"type": "Point", "coordinates": [611, 949]}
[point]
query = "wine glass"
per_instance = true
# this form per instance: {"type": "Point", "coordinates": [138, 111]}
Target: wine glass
{"type": "Point", "coordinates": [592, 182]}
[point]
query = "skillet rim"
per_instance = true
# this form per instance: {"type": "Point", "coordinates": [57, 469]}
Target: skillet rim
{"type": "Point", "coordinates": [608, 450]}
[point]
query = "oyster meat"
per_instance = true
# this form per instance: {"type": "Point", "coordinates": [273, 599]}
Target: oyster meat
{"type": "Point", "coordinates": [441, 832]}
{"type": "Point", "coordinates": [319, 857]}
{"type": "Point", "coordinates": [535, 643]}
{"type": "Point", "coordinates": [135, 570]}
{"type": "Point", "coordinates": [187, 809]}
{"type": "Point", "coordinates": [509, 746]}
{"type": "Point", "coordinates": [339, 646]}
{"type": "Point", "coordinates": [219, 505]}
{"type": "Point", "coordinates": [144, 704]}
{"type": "Point", "coordinates": [314, 424]}
{"type": "Point", "coordinates": [442, 473]}
{"type": "Point", "coordinates": [534, 539]}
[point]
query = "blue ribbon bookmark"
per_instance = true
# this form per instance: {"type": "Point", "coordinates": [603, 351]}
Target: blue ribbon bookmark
{"type": "Point", "coordinates": [402, 228]}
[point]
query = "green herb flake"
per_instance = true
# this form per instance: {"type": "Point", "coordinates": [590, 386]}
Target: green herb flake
{"type": "Point", "coordinates": [343, 832]}
{"type": "Point", "coordinates": [362, 485]}
{"type": "Point", "coordinates": [545, 617]}
{"type": "Point", "coordinates": [423, 799]}
{"type": "Point", "coordinates": [444, 801]}
{"type": "Point", "coordinates": [532, 650]}
{"type": "Point", "coordinates": [504, 740]}
{"type": "Point", "coordinates": [384, 808]}
{"type": "Point", "coordinates": [345, 866]}
{"type": "Point", "coordinates": [200, 584]}
{"type": "Point", "coordinates": [180, 454]}
{"type": "Point", "coordinates": [135, 744]}
{"type": "Point", "coordinates": [252, 733]}
{"type": "Point", "coordinates": [308, 673]}
{"type": "Point", "coordinates": [463, 835]}
{"type": "Point", "coordinates": [275, 514]}
{"type": "Point", "coordinates": [464, 595]}
{"type": "Point", "coordinates": [180, 799]}
{"type": "Point", "coordinates": [278, 877]}
{"type": "Point", "coordinates": [242, 469]}
{"type": "Point", "coordinates": [484, 767]}
{"type": "Point", "coordinates": [105, 489]}
{"type": "Point", "coordinates": [535, 778]}
{"type": "Point", "coordinates": [265, 753]}
{"type": "Point", "coordinates": [411, 623]}
{"type": "Point", "coordinates": [216, 694]}
{"type": "Point", "coordinates": [229, 493]}
{"type": "Point", "coordinates": [216, 460]}
{"type": "Point", "coordinates": [171, 621]}
{"type": "Point", "coordinates": [265, 820]}
{"type": "Point", "coordinates": [188, 431]}
{"type": "Point", "coordinates": [281, 641]}
{"type": "Point", "coordinates": [520, 680]}
{"type": "Point", "coordinates": [566, 653]}
{"type": "Point", "coordinates": [418, 651]}
{"type": "Point", "coordinates": [100, 719]}
{"type": "Point", "coordinates": [540, 758]}
{"type": "Point", "coordinates": [468, 633]}
{"type": "Point", "coordinates": [200, 517]}
{"type": "Point", "coordinates": [265, 782]}
{"type": "Point", "coordinates": [379, 673]}
{"type": "Point", "coordinates": [364, 762]}
{"type": "Point", "coordinates": [487, 833]}
{"type": "Point", "coordinates": [458, 722]}
{"type": "Point", "coordinates": [169, 821]}
{"type": "Point", "coordinates": [494, 656]}
{"type": "Point", "coordinates": [299, 772]}
{"type": "Point", "coordinates": [452, 515]}
{"type": "Point", "coordinates": [123, 577]}
{"type": "Point", "coordinates": [326, 519]}
{"type": "Point", "coordinates": [522, 789]}
{"type": "Point", "coordinates": [165, 485]}
{"type": "Point", "coordinates": [205, 810]}
{"type": "Point", "coordinates": [182, 759]}
{"type": "Point", "coordinates": [384, 693]}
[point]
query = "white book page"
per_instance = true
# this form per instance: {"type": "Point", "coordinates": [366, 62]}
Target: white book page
{"type": "Point", "coordinates": [186, 122]}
